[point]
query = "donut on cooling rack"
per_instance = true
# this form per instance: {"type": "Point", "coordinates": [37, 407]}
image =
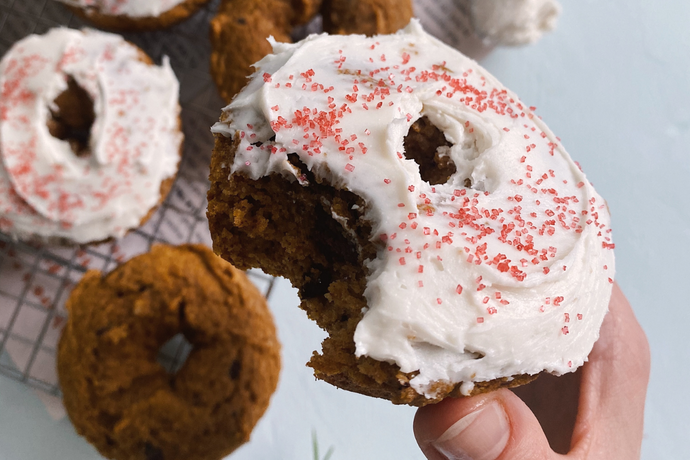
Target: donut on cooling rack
{"type": "Point", "coordinates": [134, 15]}
{"type": "Point", "coordinates": [90, 136]}
{"type": "Point", "coordinates": [123, 401]}
{"type": "Point", "coordinates": [241, 27]}
{"type": "Point", "coordinates": [510, 23]}
{"type": "Point", "coordinates": [434, 226]}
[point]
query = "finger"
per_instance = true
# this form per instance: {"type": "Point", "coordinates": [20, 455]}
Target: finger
{"type": "Point", "coordinates": [493, 426]}
{"type": "Point", "coordinates": [613, 388]}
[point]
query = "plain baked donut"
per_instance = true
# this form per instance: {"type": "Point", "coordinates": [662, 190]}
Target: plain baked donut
{"type": "Point", "coordinates": [433, 224]}
{"type": "Point", "coordinates": [123, 401]}
{"type": "Point", "coordinates": [241, 27]}
{"type": "Point", "coordinates": [90, 136]}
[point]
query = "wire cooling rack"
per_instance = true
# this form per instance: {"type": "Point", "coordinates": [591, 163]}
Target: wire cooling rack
{"type": "Point", "coordinates": [36, 281]}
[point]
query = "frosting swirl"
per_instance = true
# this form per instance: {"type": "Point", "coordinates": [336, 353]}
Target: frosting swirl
{"type": "Point", "coordinates": [48, 191]}
{"type": "Point", "coordinates": [511, 275]}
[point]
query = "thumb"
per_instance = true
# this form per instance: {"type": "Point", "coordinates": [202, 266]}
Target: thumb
{"type": "Point", "coordinates": [492, 426]}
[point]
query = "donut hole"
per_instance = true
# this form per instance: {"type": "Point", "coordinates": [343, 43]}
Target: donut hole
{"type": "Point", "coordinates": [72, 116]}
{"type": "Point", "coordinates": [429, 148]}
{"type": "Point", "coordinates": [174, 353]}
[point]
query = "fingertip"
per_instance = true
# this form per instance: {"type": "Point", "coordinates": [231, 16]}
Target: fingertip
{"type": "Point", "coordinates": [431, 421]}
{"type": "Point", "coordinates": [493, 426]}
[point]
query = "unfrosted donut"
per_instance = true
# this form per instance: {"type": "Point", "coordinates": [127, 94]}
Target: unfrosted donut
{"type": "Point", "coordinates": [134, 15]}
{"type": "Point", "coordinates": [123, 401]}
{"type": "Point", "coordinates": [240, 30]}
{"type": "Point", "coordinates": [434, 226]}
{"type": "Point", "coordinates": [89, 136]}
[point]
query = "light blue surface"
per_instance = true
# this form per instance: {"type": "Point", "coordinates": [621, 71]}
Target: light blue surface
{"type": "Point", "coordinates": [356, 427]}
{"type": "Point", "coordinates": [613, 81]}
{"type": "Point", "coordinates": [28, 433]}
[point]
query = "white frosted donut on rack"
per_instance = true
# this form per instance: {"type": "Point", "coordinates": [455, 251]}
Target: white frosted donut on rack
{"type": "Point", "coordinates": [48, 192]}
{"type": "Point", "coordinates": [508, 276]}
{"type": "Point", "coordinates": [131, 8]}
{"type": "Point", "coordinates": [513, 22]}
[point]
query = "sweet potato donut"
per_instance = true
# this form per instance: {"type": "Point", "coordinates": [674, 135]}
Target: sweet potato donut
{"type": "Point", "coordinates": [134, 15]}
{"type": "Point", "coordinates": [241, 27]}
{"type": "Point", "coordinates": [368, 17]}
{"type": "Point", "coordinates": [90, 136]}
{"type": "Point", "coordinates": [123, 401]}
{"type": "Point", "coordinates": [433, 225]}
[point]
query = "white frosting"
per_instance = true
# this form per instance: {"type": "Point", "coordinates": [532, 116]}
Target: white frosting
{"type": "Point", "coordinates": [529, 244]}
{"type": "Point", "coordinates": [45, 189]}
{"type": "Point", "coordinates": [131, 8]}
{"type": "Point", "coordinates": [514, 22]}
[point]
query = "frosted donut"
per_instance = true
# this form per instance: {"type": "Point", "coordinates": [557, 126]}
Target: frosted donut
{"type": "Point", "coordinates": [134, 15]}
{"type": "Point", "coordinates": [89, 136]}
{"type": "Point", "coordinates": [434, 226]}
{"type": "Point", "coordinates": [512, 23]}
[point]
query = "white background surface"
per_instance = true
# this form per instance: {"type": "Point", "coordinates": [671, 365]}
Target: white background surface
{"type": "Point", "coordinates": [613, 81]}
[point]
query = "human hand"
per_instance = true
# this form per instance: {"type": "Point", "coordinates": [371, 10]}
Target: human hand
{"type": "Point", "coordinates": [606, 422]}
